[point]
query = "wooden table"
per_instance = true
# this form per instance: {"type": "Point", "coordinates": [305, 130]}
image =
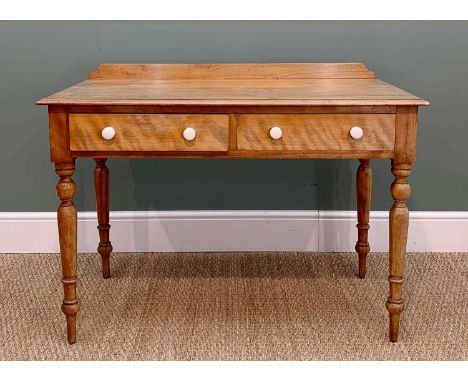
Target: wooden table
{"type": "Point", "coordinates": [233, 111]}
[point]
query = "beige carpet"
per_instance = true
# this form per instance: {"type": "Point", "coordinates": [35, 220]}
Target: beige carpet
{"type": "Point", "coordinates": [234, 306]}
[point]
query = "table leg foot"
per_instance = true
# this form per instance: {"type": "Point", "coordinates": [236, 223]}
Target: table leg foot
{"type": "Point", "coordinates": [71, 308]}
{"type": "Point", "coordinates": [394, 307]}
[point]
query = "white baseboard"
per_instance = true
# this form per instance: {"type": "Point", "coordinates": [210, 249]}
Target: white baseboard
{"type": "Point", "coordinates": [180, 231]}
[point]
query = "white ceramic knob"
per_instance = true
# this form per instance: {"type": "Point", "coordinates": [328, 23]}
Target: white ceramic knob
{"type": "Point", "coordinates": [189, 134]}
{"type": "Point", "coordinates": [356, 132]}
{"type": "Point", "coordinates": [276, 132]}
{"type": "Point", "coordinates": [108, 133]}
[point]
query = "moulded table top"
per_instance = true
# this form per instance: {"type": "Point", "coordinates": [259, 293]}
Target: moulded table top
{"type": "Point", "coordinates": [278, 92]}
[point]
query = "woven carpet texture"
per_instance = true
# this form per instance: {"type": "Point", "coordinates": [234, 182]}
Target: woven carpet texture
{"type": "Point", "coordinates": [234, 306]}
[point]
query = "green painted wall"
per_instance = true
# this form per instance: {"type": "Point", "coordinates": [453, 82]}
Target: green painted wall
{"type": "Point", "coordinates": [429, 59]}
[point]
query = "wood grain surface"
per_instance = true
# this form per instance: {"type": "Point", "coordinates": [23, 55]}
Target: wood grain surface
{"type": "Point", "coordinates": [230, 71]}
{"type": "Point", "coordinates": [149, 132]}
{"type": "Point", "coordinates": [315, 132]}
{"type": "Point", "coordinates": [293, 92]}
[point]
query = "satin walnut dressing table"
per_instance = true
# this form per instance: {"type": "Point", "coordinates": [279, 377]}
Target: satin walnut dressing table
{"type": "Point", "coordinates": [233, 111]}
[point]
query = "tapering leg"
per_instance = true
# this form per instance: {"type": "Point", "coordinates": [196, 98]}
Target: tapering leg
{"type": "Point", "coordinates": [66, 218]}
{"type": "Point", "coordinates": [363, 194]}
{"type": "Point", "coordinates": [101, 184]}
{"type": "Point", "coordinates": [399, 220]}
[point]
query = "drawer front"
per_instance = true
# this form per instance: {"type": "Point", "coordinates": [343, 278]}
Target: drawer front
{"type": "Point", "coordinates": [149, 132]}
{"type": "Point", "coordinates": [315, 132]}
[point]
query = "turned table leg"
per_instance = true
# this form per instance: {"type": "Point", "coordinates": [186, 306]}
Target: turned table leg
{"type": "Point", "coordinates": [101, 184]}
{"type": "Point", "coordinates": [363, 195]}
{"type": "Point", "coordinates": [399, 220]}
{"type": "Point", "coordinates": [67, 221]}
